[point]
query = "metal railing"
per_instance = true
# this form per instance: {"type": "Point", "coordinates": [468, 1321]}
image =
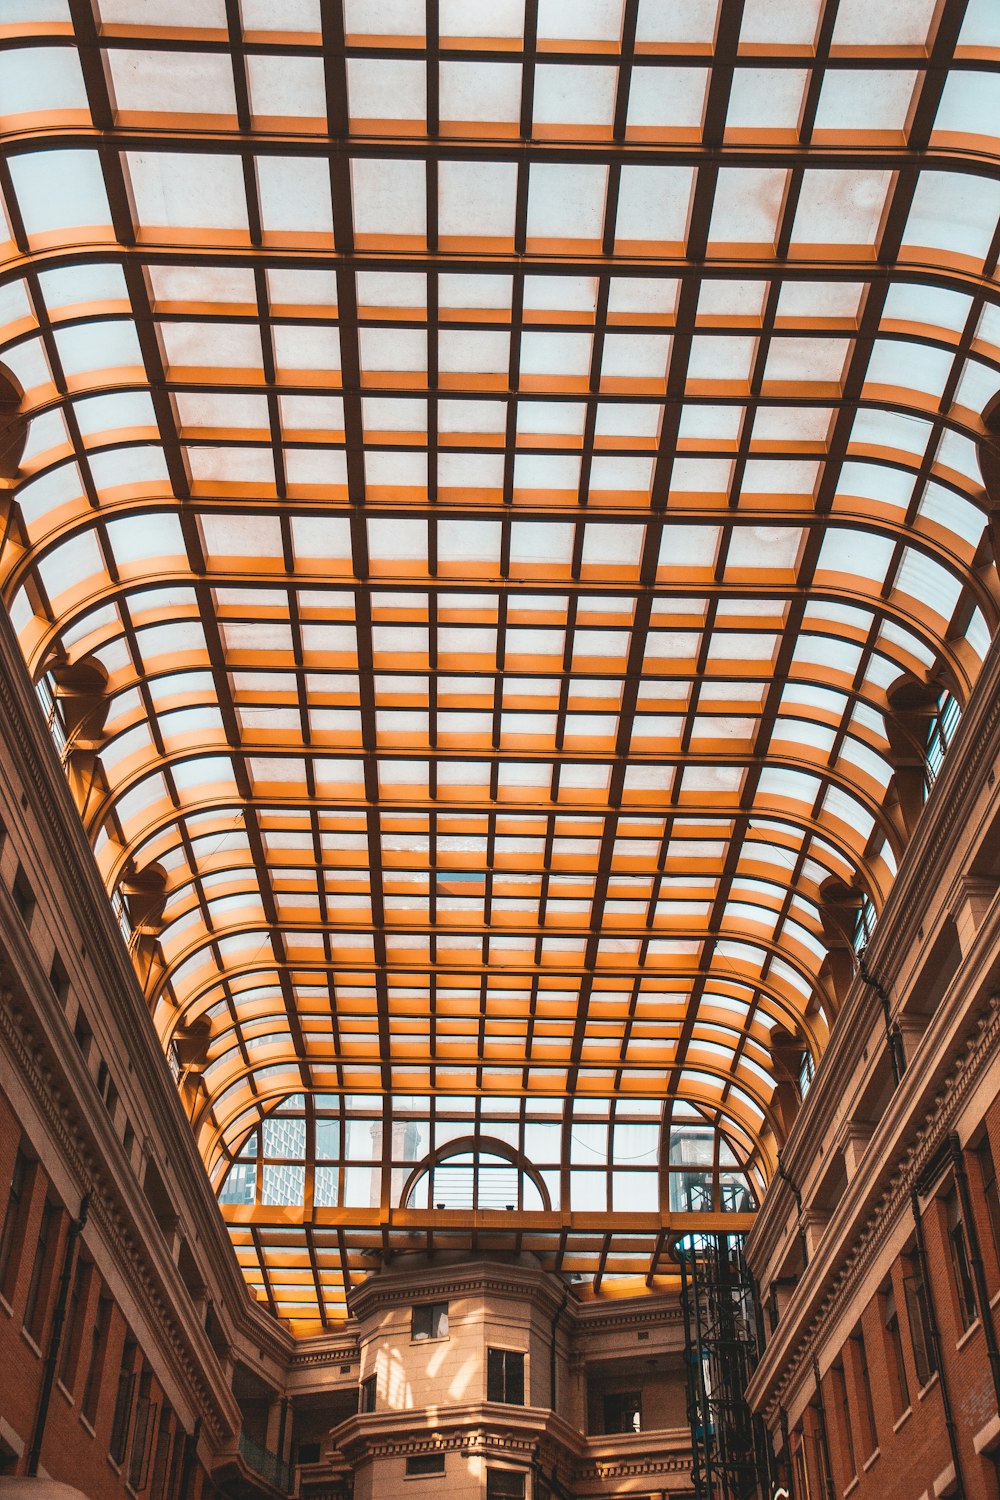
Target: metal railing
{"type": "Point", "coordinates": [272, 1469]}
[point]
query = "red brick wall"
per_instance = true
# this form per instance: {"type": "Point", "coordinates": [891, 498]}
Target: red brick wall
{"type": "Point", "coordinates": [73, 1450]}
{"type": "Point", "coordinates": [912, 1446]}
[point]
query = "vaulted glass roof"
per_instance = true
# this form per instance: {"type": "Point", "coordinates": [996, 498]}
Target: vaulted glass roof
{"type": "Point", "coordinates": [489, 468]}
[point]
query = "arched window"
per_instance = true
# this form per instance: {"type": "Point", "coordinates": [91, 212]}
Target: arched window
{"type": "Point", "coordinates": [475, 1172]}
{"type": "Point", "coordinates": [940, 736]}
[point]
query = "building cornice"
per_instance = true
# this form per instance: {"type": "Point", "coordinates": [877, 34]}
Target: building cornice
{"type": "Point", "coordinates": [853, 1242]}
{"type": "Point", "coordinates": [898, 934]}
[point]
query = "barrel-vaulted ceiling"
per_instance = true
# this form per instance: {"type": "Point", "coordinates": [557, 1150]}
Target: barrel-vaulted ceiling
{"type": "Point", "coordinates": [499, 517]}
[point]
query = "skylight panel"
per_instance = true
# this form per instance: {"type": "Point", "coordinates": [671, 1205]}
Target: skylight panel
{"type": "Point", "coordinates": [764, 99]}
{"type": "Point", "coordinates": [40, 81]}
{"type": "Point", "coordinates": [566, 202]}
{"type": "Point", "coordinates": [863, 553]}
{"type": "Point", "coordinates": [383, 89]}
{"type": "Point", "coordinates": [779, 23]}
{"type": "Point", "coordinates": [174, 189]}
{"type": "Point", "coordinates": [211, 345]}
{"type": "Point", "coordinates": [878, 97]}
{"type": "Point", "coordinates": [285, 87]}
{"type": "Point", "coordinates": [981, 26]}
{"type": "Point", "coordinates": [172, 83]}
{"type": "Point", "coordinates": [565, 95]}
{"type": "Point", "coordinates": [252, 535]}
{"type": "Point", "coordinates": [108, 345]}
{"type": "Point", "coordinates": [580, 20]}
{"type": "Point", "coordinates": [748, 201]}
{"type": "Point", "coordinates": [158, 14]}
{"type": "Point", "coordinates": [384, 17]}
{"type": "Point", "coordinates": [840, 207]}
{"type": "Point", "coordinates": [59, 190]}
{"type": "Point", "coordinates": [895, 23]}
{"type": "Point", "coordinates": [295, 16]}
{"type": "Point", "coordinates": [686, 22]}
{"type": "Point", "coordinates": [294, 195]}
{"type": "Point", "coordinates": [389, 198]}
{"type": "Point", "coordinates": [301, 347]}
{"type": "Point", "coordinates": [661, 102]}
{"type": "Point", "coordinates": [468, 19]}
{"type": "Point", "coordinates": [189, 284]}
{"type": "Point", "coordinates": [479, 93]}
{"type": "Point", "coordinates": [953, 211]}
{"type": "Point", "coordinates": [635, 357]}
{"type": "Point", "coordinates": [215, 409]}
{"type": "Point", "coordinates": [393, 349]}
{"type": "Point", "coordinates": [556, 354]}
{"type": "Point", "coordinates": [477, 201]}
{"type": "Point", "coordinates": [653, 205]}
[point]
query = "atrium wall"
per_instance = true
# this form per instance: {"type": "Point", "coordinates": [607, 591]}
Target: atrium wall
{"type": "Point", "coordinates": [878, 1251]}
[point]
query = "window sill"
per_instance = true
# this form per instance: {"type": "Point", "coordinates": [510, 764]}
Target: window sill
{"type": "Point", "coordinates": [441, 1338]}
{"type": "Point", "coordinates": [934, 1380]}
{"type": "Point", "coordinates": [6, 1306]}
{"type": "Point", "coordinates": [30, 1341]}
{"type": "Point", "coordinates": [88, 1425]}
{"type": "Point", "coordinates": [65, 1393]}
{"type": "Point", "coordinates": [994, 1300]}
{"type": "Point", "coordinates": [851, 1487]}
{"type": "Point", "coordinates": [902, 1419]}
{"type": "Point", "coordinates": [871, 1460]}
{"type": "Point", "coordinates": [967, 1335]}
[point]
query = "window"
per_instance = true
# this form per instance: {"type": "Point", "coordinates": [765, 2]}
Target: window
{"type": "Point", "coordinates": [960, 1265]}
{"type": "Point", "coordinates": [24, 896]}
{"type": "Point", "coordinates": [36, 1303]}
{"type": "Point", "coordinates": [82, 1034]}
{"type": "Point", "coordinates": [807, 1072]}
{"type": "Point", "coordinates": [430, 1321]}
{"type": "Point", "coordinates": [844, 1411]}
{"type": "Point", "coordinates": [52, 712]}
{"type": "Point", "coordinates": [73, 1335]}
{"type": "Point", "coordinates": [988, 1176]}
{"type": "Point", "coordinates": [12, 1234]}
{"type": "Point", "coordinates": [123, 1403]}
{"type": "Point", "coordinates": [366, 1400]}
{"type": "Point", "coordinates": [424, 1463]}
{"type": "Point", "coordinates": [59, 980]}
{"type": "Point", "coordinates": [894, 1350]}
{"type": "Point", "coordinates": [918, 1315]}
{"type": "Point", "coordinates": [942, 732]}
{"type": "Point", "coordinates": [142, 1434]}
{"type": "Point", "coordinates": [864, 924]}
{"type": "Point", "coordinates": [801, 1469]}
{"type": "Point", "coordinates": [505, 1376]}
{"type": "Point", "coordinates": [161, 1458]}
{"type": "Point", "coordinates": [95, 1359]}
{"type": "Point", "coordinates": [864, 1381]}
{"type": "Point", "coordinates": [623, 1411]}
{"type": "Point", "coordinates": [504, 1484]}
{"type": "Point", "coordinates": [308, 1453]}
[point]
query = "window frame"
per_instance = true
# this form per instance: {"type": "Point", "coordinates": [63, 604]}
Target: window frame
{"type": "Point", "coordinates": [437, 1319]}
{"type": "Point", "coordinates": [630, 1395]}
{"type": "Point", "coordinates": [414, 1468]}
{"type": "Point", "coordinates": [963, 1280]}
{"type": "Point", "coordinates": [498, 1488]}
{"type": "Point", "coordinates": [511, 1367]}
{"type": "Point", "coordinates": [12, 1233]}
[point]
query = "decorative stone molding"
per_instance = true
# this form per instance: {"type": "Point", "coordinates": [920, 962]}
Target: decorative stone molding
{"type": "Point", "coordinates": [979, 1054]}
{"type": "Point", "coordinates": [64, 1121]}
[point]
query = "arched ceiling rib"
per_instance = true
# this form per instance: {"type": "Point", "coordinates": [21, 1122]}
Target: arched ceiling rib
{"type": "Point", "coordinates": [484, 481]}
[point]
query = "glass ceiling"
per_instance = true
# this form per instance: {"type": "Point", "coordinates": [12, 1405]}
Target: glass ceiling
{"type": "Point", "coordinates": [488, 465]}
